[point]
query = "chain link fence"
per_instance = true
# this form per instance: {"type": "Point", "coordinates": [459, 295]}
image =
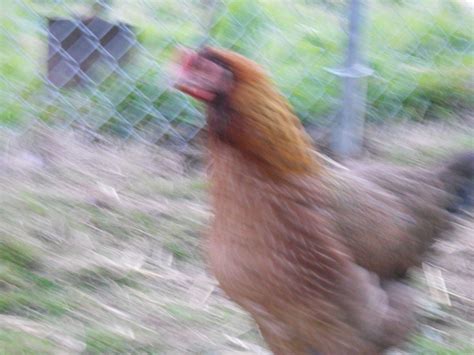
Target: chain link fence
{"type": "Point", "coordinates": [102, 66]}
{"type": "Point", "coordinates": [100, 244]}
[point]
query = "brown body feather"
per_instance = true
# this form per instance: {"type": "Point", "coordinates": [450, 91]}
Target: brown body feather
{"type": "Point", "coordinates": [295, 242]}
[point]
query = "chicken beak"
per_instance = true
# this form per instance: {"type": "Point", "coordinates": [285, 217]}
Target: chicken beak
{"type": "Point", "coordinates": [177, 68]}
{"type": "Point", "coordinates": [184, 78]}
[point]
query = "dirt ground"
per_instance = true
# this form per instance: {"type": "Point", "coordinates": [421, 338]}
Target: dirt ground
{"type": "Point", "coordinates": [100, 250]}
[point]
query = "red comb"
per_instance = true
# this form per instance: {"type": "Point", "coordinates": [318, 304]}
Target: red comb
{"type": "Point", "coordinates": [188, 57]}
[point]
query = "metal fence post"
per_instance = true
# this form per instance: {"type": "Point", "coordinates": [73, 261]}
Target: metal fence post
{"type": "Point", "coordinates": [348, 131]}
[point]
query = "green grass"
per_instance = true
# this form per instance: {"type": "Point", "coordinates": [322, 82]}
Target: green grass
{"type": "Point", "coordinates": [13, 342]}
{"type": "Point", "coordinates": [426, 346]}
{"type": "Point", "coordinates": [100, 341]}
{"type": "Point", "coordinates": [420, 51]}
{"type": "Point", "coordinates": [103, 277]}
{"type": "Point", "coordinates": [24, 289]}
{"type": "Point", "coordinates": [17, 254]}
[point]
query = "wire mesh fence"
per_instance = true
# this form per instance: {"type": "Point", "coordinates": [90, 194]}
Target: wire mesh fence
{"type": "Point", "coordinates": [102, 66]}
{"type": "Point", "coordinates": [100, 243]}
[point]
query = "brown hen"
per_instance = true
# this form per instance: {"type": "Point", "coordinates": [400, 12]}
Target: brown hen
{"type": "Point", "coordinates": [297, 242]}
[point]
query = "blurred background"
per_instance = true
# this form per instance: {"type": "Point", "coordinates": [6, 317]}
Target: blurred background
{"type": "Point", "coordinates": [103, 191]}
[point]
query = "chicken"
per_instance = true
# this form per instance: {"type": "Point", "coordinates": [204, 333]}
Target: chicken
{"type": "Point", "coordinates": [312, 251]}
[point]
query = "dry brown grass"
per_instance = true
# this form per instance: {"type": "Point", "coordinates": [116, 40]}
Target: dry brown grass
{"type": "Point", "coordinates": [100, 251]}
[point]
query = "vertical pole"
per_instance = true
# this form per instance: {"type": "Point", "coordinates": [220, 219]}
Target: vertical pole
{"type": "Point", "coordinates": [348, 133]}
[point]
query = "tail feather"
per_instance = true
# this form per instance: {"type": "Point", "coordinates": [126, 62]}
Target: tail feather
{"type": "Point", "coordinates": [458, 177]}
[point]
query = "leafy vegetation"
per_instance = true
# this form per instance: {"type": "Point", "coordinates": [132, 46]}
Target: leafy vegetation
{"type": "Point", "coordinates": [420, 51]}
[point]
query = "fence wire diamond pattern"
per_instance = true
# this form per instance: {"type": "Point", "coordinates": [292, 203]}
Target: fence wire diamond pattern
{"type": "Point", "coordinates": [103, 66]}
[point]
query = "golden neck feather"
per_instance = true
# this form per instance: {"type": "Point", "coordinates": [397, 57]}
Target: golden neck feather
{"type": "Point", "coordinates": [259, 122]}
{"type": "Point", "coordinates": [263, 127]}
